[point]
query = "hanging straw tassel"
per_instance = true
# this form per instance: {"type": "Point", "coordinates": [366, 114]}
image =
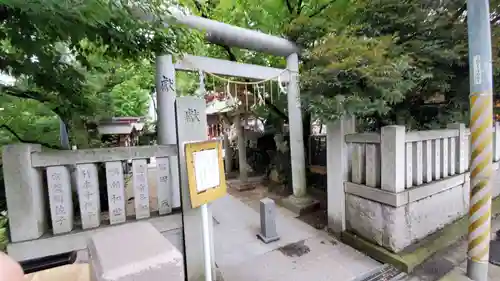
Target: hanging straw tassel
{"type": "Point", "coordinates": [271, 90]}
{"type": "Point", "coordinates": [262, 95]}
{"type": "Point", "coordinates": [246, 96]}
{"type": "Point", "coordinates": [214, 90]}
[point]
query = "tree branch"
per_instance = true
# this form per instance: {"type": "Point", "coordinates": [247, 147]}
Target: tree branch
{"type": "Point", "coordinates": [289, 6]}
{"type": "Point", "coordinates": [273, 108]}
{"type": "Point", "coordinates": [321, 9]}
{"type": "Point", "coordinates": [199, 7]}
{"type": "Point", "coordinates": [452, 20]}
{"type": "Point", "coordinates": [32, 95]}
{"type": "Point", "coordinates": [460, 11]}
{"type": "Point", "coordinates": [456, 15]}
{"type": "Point", "coordinates": [15, 92]}
{"type": "Point", "coordinates": [299, 7]}
{"type": "Point", "coordinates": [230, 53]}
{"type": "Point", "coordinates": [10, 130]}
{"type": "Point", "coordinates": [226, 118]}
{"type": "Point", "coordinates": [495, 20]}
{"type": "Point", "coordinates": [4, 12]}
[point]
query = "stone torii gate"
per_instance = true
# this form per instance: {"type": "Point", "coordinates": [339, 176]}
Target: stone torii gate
{"type": "Point", "coordinates": [220, 33]}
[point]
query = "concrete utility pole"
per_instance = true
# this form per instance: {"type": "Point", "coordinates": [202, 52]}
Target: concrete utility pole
{"type": "Point", "coordinates": [481, 124]}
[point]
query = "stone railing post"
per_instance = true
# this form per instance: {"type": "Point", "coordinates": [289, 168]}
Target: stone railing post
{"type": "Point", "coordinates": [496, 139]}
{"type": "Point", "coordinates": [24, 192]}
{"type": "Point", "coordinates": [462, 146]}
{"type": "Point", "coordinates": [337, 165]}
{"type": "Point", "coordinates": [393, 158]}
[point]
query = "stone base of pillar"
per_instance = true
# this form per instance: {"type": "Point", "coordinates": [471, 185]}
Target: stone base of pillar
{"type": "Point", "coordinates": [300, 205]}
{"type": "Point", "coordinates": [250, 184]}
{"type": "Point", "coordinates": [244, 186]}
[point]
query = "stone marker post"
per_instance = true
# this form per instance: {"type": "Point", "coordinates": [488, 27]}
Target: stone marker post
{"type": "Point", "coordinates": [191, 126]}
{"type": "Point", "coordinates": [268, 232]}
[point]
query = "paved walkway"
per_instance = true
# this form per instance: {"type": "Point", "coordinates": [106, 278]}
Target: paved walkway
{"type": "Point", "coordinates": [451, 263]}
{"type": "Point", "coordinates": [302, 253]}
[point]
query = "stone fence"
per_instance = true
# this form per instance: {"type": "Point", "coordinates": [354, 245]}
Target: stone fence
{"type": "Point", "coordinates": [394, 188]}
{"type": "Point", "coordinates": [54, 198]}
{"type": "Point", "coordinates": [63, 182]}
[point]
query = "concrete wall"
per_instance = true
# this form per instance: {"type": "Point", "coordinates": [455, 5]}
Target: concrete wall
{"type": "Point", "coordinates": [396, 228]}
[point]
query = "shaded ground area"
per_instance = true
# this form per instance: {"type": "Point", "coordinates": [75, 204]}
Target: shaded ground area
{"type": "Point", "coordinates": [260, 189]}
{"type": "Point", "coordinates": [263, 189]}
{"type": "Point", "coordinates": [317, 219]}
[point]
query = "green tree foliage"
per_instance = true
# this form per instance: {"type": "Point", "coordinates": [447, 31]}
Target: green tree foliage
{"type": "Point", "coordinates": [131, 96]}
{"type": "Point", "coordinates": [27, 121]}
{"type": "Point", "coordinates": [354, 75]}
{"type": "Point", "coordinates": [434, 37]}
{"type": "Point", "coordinates": [269, 16]}
{"type": "Point", "coordinates": [82, 60]}
{"type": "Point", "coordinates": [427, 46]}
{"type": "Point", "coordinates": [387, 61]}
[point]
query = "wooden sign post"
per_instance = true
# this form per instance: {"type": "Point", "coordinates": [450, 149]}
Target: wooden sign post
{"type": "Point", "coordinates": [207, 182]}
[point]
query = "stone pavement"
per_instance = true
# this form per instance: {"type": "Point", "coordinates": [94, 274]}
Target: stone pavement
{"type": "Point", "coordinates": [451, 264]}
{"type": "Point", "coordinates": [460, 272]}
{"type": "Point", "coordinates": [302, 253]}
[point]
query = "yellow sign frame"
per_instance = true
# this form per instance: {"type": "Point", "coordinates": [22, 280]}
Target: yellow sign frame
{"type": "Point", "coordinates": [200, 198]}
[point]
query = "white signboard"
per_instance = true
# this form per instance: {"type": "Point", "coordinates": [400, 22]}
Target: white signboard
{"type": "Point", "coordinates": [206, 166]}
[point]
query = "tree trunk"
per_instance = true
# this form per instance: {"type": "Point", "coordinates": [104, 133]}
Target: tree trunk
{"type": "Point", "coordinates": [228, 159]}
{"type": "Point", "coordinates": [242, 153]}
{"type": "Point", "coordinates": [306, 133]}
